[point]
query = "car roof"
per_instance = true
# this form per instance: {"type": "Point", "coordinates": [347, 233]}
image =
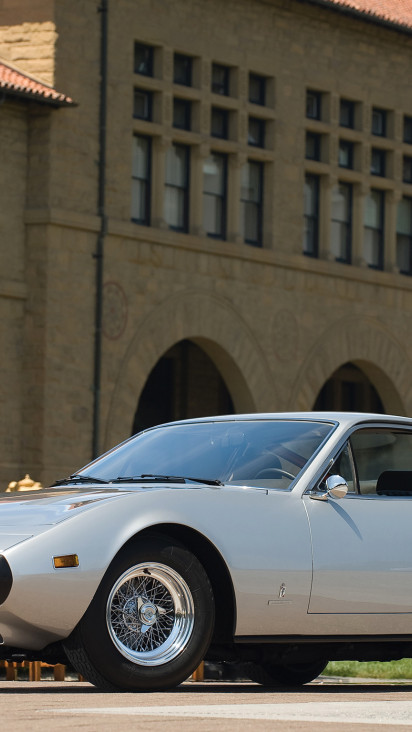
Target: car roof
{"type": "Point", "coordinates": [342, 418]}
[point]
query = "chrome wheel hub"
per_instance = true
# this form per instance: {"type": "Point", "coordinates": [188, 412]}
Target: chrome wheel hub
{"type": "Point", "coordinates": [150, 614]}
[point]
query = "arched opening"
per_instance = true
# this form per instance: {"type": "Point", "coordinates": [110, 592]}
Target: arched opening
{"type": "Point", "coordinates": [349, 390]}
{"type": "Point", "coordinates": [184, 383]}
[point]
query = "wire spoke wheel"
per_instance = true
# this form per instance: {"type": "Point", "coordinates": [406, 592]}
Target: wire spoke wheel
{"type": "Point", "coordinates": [150, 614]}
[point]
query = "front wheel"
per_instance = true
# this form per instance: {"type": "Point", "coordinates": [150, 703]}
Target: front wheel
{"type": "Point", "coordinates": [150, 622]}
{"type": "Point", "coordinates": [283, 674]}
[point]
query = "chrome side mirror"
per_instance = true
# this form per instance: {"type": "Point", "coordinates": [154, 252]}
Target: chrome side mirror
{"type": "Point", "coordinates": [336, 487]}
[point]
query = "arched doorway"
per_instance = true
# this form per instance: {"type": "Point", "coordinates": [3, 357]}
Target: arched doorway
{"type": "Point", "coordinates": [349, 390]}
{"type": "Point", "coordinates": [184, 383]}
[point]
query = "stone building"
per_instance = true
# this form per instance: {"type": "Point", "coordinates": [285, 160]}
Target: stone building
{"type": "Point", "coordinates": [220, 220]}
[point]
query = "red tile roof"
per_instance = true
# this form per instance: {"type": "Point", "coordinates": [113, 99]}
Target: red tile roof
{"type": "Point", "coordinates": [15, 82]}
{"type": "Point", "coordinates": [392, 12]}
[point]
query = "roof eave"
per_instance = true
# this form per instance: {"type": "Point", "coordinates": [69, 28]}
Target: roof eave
{"type": "Point", "coordinates": [37, 98]}
{"type": "Point", "coordinates": [362, 15]}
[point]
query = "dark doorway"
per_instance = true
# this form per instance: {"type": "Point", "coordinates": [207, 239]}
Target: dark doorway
{"type": "Point", "coordinates": [184, 383]}
{"type": "Point", "coordinates": [349, 390]}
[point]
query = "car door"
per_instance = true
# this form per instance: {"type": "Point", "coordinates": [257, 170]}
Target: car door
{"type": "Point", "coordinates": [362, 547]}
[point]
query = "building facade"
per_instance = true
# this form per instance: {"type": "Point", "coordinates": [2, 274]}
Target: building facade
{"type": "Point", "coordinates": [220, 222]}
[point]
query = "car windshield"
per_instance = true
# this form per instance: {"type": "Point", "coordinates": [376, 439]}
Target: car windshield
{"type": "Point", "coordinates": [270, 453]}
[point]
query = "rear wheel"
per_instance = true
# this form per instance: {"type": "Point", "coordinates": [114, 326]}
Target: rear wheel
{"type": "Point", "coordinates": [283, 674]}
{"type": "Point", "coordinates": [150, 622]}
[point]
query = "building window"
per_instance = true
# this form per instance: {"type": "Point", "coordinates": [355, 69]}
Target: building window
{"type": "Point", "coordinates": [404, 236]}
{"type": "Point", "coordinates": [256, 132]}
{"type": "Point", "coordinates": [378, 161]}
{"type": "Point", "coordinates": [141, 163]}
{"type": "Point", "coordinates": [379, 122]}
{"type": "Point", "coordinates": [407, 129]}
{"type": "Point", "coordinates": [345, 154]}
{"type": "Point", "coordinates": [214, 195]}
{"type": "Point", "coordinates": [313, 104]}
{"type": "Point", "coordinates": [407, 169]}
{"type": "Point", "coordinates": [182, 114]}
{"type": "Point", "coordinates": [347, 113]}
{"type": "Point", "coordinates": [313, 146]}
{"type": "Point", "coordinates": [220, 79]}
{"type": "Point", "coordinates": [143, 59]}
{"type": "Point", "coordinates": [257, 89]}
{"type": "Point", "coordinates": [219, 123]}
{"type": "Point", "coordinates": [373, 229]}
{"type": "Point", "coordinates": [176, 200]}
{"type": "Point", "coordinates": [252, 203]}
{"type": "Point", "coordinates": [142, 104]}
{"type": "Point", "coordinates": [311, 216]}
{"type": "Point", "coordinates": [182, 69]}
{"type": "Point", "coordinates": [341, 229]}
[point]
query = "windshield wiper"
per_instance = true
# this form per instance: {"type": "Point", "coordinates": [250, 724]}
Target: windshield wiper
{"type": "Point", "coordinates": [75, 478]}
{"type": "Point", "coordinates": [163, 479]}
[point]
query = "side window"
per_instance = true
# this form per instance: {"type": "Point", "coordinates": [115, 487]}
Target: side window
{"type": "Point", "coordinates": [383, 460]}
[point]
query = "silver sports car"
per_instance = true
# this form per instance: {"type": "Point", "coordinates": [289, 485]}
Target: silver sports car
{"type": "Point", "coordinates": [272, 541]}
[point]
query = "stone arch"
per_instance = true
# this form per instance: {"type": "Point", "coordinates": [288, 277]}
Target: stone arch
{"type": "Point", "coordinates": [212, 323]}
{"type": "Point", "coordinates": [369, 346]}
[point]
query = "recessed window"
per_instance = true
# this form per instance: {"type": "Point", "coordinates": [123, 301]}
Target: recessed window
{"type": "Point", "coordinates": [311, 216]}
{"type": "Point", "coordinates": [345, 154]}
{"type": "Point", "coordinates": [313, 146]}
{"type": "Point", "coordinates": [182, 69]}
{"type": "Point", "coordinates": [379, 122]}
{"type": "Point", "coordinates": [142, 104]}
{"type": "Point", "coordinates": [141, 179]}
{"type": "Point", "coordinates": [143, 59]}
{"type": "Point", "coordinates": [373, 229]}
{"type": "Point", "coordinates": [313, 104]}
{"type": "Point", "coordinates": [219, 122]}
{"type": "Point", "coordinates": [407, 129]}
{"type": "Point", "coordinates": [256, 132]}
{"type": "Point", "coordinates": [378, 161]}
{"type": "Point", "coordinates": [404, 236]}
{"type": "Point", "coordinates": [220, 79]}
{"type": "Point", "coordinates": [252, 203]}
{"type": "Point", "coordinates": [347, 113]}
{"type": "Point", "coordinates": [214, 195]}
{"type": "Point", "coordinates": [182, 113]}
{"type": "Point", "coordinates": [176, 200]}
{"type": "Point", "coordinates": [407, 169]}
{"type": "Point", "coordinates": [341, 224]}
{"type": "Point", "coordinates": [257, 89]}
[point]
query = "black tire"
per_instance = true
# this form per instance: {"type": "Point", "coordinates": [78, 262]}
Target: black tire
{"type": "Point", "coordinates": [150, 622]}
{"type": "Point", "coordinates": [278, 674]}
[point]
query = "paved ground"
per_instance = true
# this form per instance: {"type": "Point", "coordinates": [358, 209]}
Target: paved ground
{"type": "Point", "coordinates": [242, 707]}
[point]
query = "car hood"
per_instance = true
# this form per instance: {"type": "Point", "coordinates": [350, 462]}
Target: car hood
{"type": "Point", "coordinates": [49, 506]}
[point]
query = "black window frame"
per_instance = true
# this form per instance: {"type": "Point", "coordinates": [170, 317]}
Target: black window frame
{"type": "Point", "coordinates": [149, 99]}
{"type": "Point", "coordinates": [316, 96]}
{"type": "Point", "coordinates": [313, 251]}
{"type": "Point", "coordinates": [258, 81]}
{"type": "Point", "coordinates": [347, 109]}
{"type": "Point", "coordinates": [219, 122]}
{"type": "Point", "coordinates": [186, 107]}
{"type": "Point", "coordinates": [408, 237]}
{"type": "Point", "coordinates": [314, 140]}
{"type": "Point", "coordinates": [145, 221]}
{"type": "Point", "coordinates": [184, 189]}
{"type": "Point", "coordinates": [223, 197]}
{"type": "Point", "coordinates": [348, 146]}
{"type": "Point", "coordinates": [150, 58]}
{"type": "Point", "coordinates": [261, 130]}
{"type": "Point", "coordinates": [407, 129]}
{"type": "Point", "coordinates": [379, 130]}
{"type": "Point", "coordinates": [257, 205]}
{"type": "Point", "coordinates": [407, 164]}
{"type": "Point", "coordinates": [347, 224]}
{"type": "Point", "coordinates": [378, 162]}
{"type": "Point", "coordinates": [186, 78]}
{"type": "Point", "coordinates": [380, 229]}
{"type": "Point", "coordinates": [220, 87]}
